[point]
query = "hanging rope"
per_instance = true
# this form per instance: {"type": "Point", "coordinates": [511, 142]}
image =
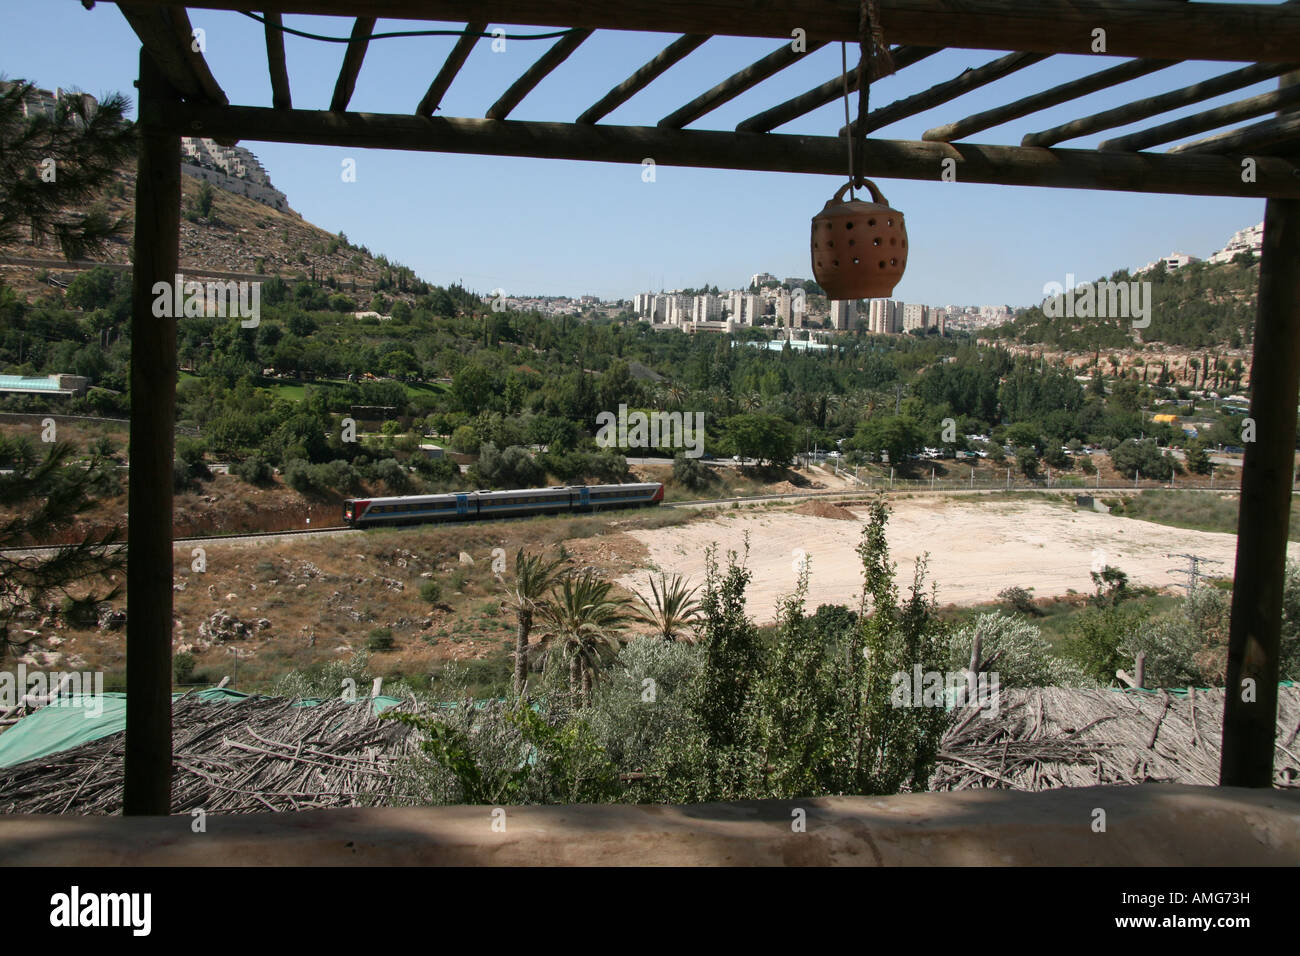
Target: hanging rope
{"type": "Point", "coordinates": [872, 48]}
{"type": "Point", "coordinates": [848, 138]}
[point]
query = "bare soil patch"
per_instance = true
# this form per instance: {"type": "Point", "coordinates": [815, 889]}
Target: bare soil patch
{"type": "Point", "coordinates": [976, 547]}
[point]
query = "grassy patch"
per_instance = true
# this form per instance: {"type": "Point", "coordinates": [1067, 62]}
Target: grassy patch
{"type": "Point", "coordinates": [1198, 512]}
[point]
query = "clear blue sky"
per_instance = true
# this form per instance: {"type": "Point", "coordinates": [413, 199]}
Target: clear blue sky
{"type": "Point", "coordinates": [559, 227]}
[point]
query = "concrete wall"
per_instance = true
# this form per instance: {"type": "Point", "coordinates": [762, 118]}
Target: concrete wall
{"type": "Point", "coordinates": [1153, 825]}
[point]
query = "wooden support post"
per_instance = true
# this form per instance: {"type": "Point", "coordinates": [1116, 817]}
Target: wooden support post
{"type": "Point", "coordinates": [1250, 710]}
{"type": "Point", "coordinates": [149, 521]}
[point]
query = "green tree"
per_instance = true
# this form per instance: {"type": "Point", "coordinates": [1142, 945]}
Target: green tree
{"type": "Point", "coordinates": [41, 497]}
{"type": "Point", "coordinates": [1198, 462]}
{"type": "Point", "coordinates": [533, 578]}
{"type": "Point", "coordinates": [671, 609]}
{"type": "Point", "coordinates": [87, 146]}
{"type": "Point", "coordinates": [583, 621]}
{"type": "Point", "coordinates": [899, 436]}
{"type": "Point", "coordinates": [767, 438]}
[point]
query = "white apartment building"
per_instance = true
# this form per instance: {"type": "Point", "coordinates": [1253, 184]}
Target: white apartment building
{"type": "Point", "coordinates": [1173, 262]}
{"type": "Point", "coordinates": [1250, 239]}
{"type": "Point", "coordinates": [783, 303]}
{"type": "Point", "coordinates": [233, 168]}
{"type": "Point", "coordinates": [844, 312]}
{"type": "Point", "coordinates": [915, 316]}
{"type": "Point", "coordinates": [705, 308]}
{"type": "Point", "coordinates": [885, 316]}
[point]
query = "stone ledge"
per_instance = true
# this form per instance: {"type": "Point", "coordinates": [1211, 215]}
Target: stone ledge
{"type": "Point", "coordinates": [1152, 825]}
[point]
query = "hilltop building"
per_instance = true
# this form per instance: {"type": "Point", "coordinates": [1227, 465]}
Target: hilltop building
{"type": "Point", "coordinates": [1172, 262]}
{"type": "Point", "coordinates": [1250, 239]}
{"type": "Point", "coordinates": [231, 168]}
{"type": "Point", "coordinates": [44, 102]}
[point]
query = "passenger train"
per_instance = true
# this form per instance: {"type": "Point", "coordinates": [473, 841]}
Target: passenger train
{"type": "Point", "coordinates": [477, 505]}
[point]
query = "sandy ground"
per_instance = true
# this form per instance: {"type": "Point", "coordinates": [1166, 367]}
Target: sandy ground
{"type": "Point", "coordinates": [976, 548]}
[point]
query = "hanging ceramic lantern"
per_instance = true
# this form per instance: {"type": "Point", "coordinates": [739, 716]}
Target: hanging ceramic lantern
{"type": "Point", "coordinates": [859, 249]}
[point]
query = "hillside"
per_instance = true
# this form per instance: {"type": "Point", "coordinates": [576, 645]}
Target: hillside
{"type": "Point", "coordinates": [1200, 306]}
{"type": "Point", "coordinates": [238, 236]}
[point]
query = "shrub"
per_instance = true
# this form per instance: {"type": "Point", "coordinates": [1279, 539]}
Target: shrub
{"type": "Point", "coordinates": [298, 476]}
{"type": "Point", "coordinates": [392, 474]}
{"type": "Point", "coordinates": [254, 469]}
{"type": "Point", "coordinates": [183, 668]}
{"type": "Point", "coordinates": [1132, 457]}
{"type": "Point", "coordinates": [1020, 655]}
{"type": "Point", "coordinates": [465, 439]}
{"type": "Point", "coordinates": [691, 473]}
{"type": "Point", "coordinates": [1021, 601]}
{"type": "Point", "coordinates": [439, 471]}
{"type": "Point", "coordinates": [380, 639]}
{"type": "Point", "coordinates": [512, 468]}
{"type": "Point", "coordinates": [431, 591]}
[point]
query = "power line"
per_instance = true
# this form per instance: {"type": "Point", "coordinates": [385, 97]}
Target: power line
{"type": "Point", "coordinates": [1193, 570]}
{"type": "Point", "coordinates": [405, 33]}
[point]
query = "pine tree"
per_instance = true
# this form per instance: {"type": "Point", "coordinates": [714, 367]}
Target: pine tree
{"type": "Point", "coordinates": [53, 168]}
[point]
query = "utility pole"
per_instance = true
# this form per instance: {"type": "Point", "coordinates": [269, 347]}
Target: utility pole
{"type": "Point", "coordinates": [1193, 570]}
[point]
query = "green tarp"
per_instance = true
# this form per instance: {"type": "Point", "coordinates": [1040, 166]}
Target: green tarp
{"type": "Point", "coordinates": [79, 719]}
{"type": "Point", "coordinates": [63, 725]}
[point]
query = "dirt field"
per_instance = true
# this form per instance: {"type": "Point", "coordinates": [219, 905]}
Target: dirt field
{"type": "Point", "coordinates": [977, 547]}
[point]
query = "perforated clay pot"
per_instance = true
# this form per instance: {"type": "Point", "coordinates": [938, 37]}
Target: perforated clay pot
{"type": "Point", "coordinates": [859, 249]}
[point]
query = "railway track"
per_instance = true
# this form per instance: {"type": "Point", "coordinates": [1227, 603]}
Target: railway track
{"type": "Point", "coordinates": [694, 503]}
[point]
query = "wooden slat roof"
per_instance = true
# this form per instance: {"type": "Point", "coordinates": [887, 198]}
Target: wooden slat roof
{"type": "Point", "coordinates": [1155, 33]}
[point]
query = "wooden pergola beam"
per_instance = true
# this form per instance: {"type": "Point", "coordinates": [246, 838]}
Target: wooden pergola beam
{"type": "Point", "coordinates": [1254, 32]}
{"type": "Point", "coordinates": [1154, 105]}
{"type": "Point", "coordinates": [1279, 136]}
{"type": "Point", "coordinates": [737, 83]}
{"type": "Point", "coordinates": [168, 37]}
{"type": "Point", "coordinates": [455, 60]}
{"type": "Point", "coordinates": [941, 93]}
{"type": "Point", "coordinates": [676, 51]}
{"type": "Point", "coordinates": [1101, 80]}
{"type": "Point", "coordinates": [824, 155]}
{"type": "Point", "coordinates": [275, 62]}
{"type": "Point", "coordinates": [547, 62]}
{"type": "Point", "coordinates": [1209, 119]}
{"type": "Point", "coordinates": [804, 103]}
{"type": "Point", "coordinates": [362, 27]}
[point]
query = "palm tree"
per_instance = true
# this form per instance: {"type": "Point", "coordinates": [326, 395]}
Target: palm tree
{"type": "Point", "coordinates": [671, 607]}
{"type": "Point", "coordinates": [584, 621]}
{"type": "Point", "coordinates": [534, 576]}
